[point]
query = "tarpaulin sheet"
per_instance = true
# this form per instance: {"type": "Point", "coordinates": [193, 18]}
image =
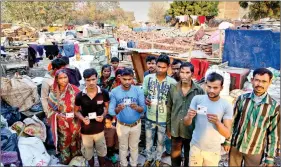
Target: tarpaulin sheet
{"type": "Point", "coordinates": [252, 48]}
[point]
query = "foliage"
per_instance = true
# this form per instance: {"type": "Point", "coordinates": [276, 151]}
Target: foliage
{"type": "Point", "coordinates": [37, 13]}
{"type": "Point", "coordinates": [202, 8]}
{"type": "Point", "coordinates": [40, 14]}
{"type": "Point", "coordinates": [262, 9]}
{"type": "Point", "coordinates": [157, 12]}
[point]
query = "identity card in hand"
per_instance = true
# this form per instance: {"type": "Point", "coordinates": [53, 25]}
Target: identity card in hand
{"type": "Point", "coordinates": [201, 110]}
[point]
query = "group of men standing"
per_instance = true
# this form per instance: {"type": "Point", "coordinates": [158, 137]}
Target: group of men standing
{"type": "Point", "coordinates": [178, 109]}
{"type": "Point", "coordinates": [196, 120]}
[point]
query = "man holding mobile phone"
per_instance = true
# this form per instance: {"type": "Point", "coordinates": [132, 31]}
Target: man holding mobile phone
{"type": "Point", "coordinates": [93, 101]}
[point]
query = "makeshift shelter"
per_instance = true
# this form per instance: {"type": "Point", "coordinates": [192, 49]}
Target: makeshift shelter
{"type": "Point", "coordinates": [252, 48]}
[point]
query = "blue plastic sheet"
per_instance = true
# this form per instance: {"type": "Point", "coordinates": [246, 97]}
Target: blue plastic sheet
{"type": "Point", "coordinates": [252, 48]}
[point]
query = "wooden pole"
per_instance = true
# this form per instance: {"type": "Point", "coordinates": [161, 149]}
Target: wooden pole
{"type": "Point", "coordinates": [190, 49]}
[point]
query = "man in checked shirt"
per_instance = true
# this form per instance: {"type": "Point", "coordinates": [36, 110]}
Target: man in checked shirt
{"type": "Point", "coordinates": [256, 126]}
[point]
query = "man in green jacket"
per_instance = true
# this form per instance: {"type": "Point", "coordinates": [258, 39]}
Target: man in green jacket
{"type": "Point", "coordinates": [179, 98]}
{"type": "Point", "coordinates": [156, 87]}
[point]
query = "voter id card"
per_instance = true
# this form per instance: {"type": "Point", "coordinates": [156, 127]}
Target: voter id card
{"type": "Point", "coordinates": [154, 101]}
{"type": "Point", "coordinates": [69, 115]}
{"type": "Point", "coordinates": [201, 110]}
{"type": "Point", "coordinates": [92, 115]}
{"type": "Point", "coordinates": [127, 102]}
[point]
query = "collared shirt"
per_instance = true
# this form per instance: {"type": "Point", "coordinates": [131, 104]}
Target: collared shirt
{"type": "Point", "coordinates": [157, 92]}
{"type": "Point", "coordinates": [120, 96]}
{"type": "Point", "coordinates": [177, 108]}
{"type": "Point", "coordinates": [89, 105]}
{"type": "Point", "coordinates": [258, 99]}
{"type": "Point", "coordinates": [254, 124]}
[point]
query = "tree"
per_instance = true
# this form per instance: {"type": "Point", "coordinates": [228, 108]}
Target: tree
{"type": "Point", "coordinates": [157, 11]}
{"type": "Point", "coordinates": [202, 8]}
{"type": "Point", "coordinates": [38, 13]}
{"type": "Point", "coordinates": [107, 6]}
{"type": "Point", "coordinates": [262, 9]}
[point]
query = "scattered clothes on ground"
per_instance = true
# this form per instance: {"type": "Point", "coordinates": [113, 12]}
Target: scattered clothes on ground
{"type": "Point", "coordinates": [3, 123]}
{"type": "Point", "coordinates": [11, 114]}
{"type": "Point", "coordinates": [9, 144]}
{"type": "Point", "coordinates": [18, 127]}
{"type": "Point", "coordinates": [9, 158]}
{"type": "Point", "coordinates": [36, 108]}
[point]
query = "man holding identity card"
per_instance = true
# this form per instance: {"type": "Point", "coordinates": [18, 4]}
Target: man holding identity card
{"type": "Point", "coordinates": [127, 103]}
{"type": "Point", "coordinates": [213, 118]}
{"type": "Point", "coordinates": [93, 101]}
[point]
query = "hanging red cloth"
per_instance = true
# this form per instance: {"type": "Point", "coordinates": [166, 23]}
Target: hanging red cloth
{"type": "Point", "coordinates": [201, 19]}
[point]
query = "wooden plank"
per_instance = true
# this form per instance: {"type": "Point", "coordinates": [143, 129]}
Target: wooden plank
{"type": "Point", "coordinates": [139, 64]}
{"type": "Point", "coordinates": [136, 59]}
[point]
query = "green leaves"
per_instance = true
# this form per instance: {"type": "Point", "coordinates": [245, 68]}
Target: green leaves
{"type": "Point", "coordinates": [262, 9]}
{"type": "Point", "coordinates": [205, 8]}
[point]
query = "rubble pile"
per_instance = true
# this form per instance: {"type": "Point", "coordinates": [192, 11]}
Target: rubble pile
{"type": "Point", "coordinates": [169, 39]}
{"type": "Point", "coordinates": [21, 32]}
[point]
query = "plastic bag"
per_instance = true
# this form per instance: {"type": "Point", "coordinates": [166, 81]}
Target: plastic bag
{"type": "Point", "coordinates": [33, 152]}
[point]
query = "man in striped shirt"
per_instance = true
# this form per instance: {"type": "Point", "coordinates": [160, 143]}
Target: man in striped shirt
{"type": "Point", "coordinates": [256, 125]}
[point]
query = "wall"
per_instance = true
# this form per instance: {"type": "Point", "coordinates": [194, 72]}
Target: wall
{"type": "Point", "coordinates": [231, 10]}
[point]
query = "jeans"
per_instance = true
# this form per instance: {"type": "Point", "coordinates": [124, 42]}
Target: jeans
{"type": "Point", "coordinates": [177, 144]}
{"type": "Point", "coordinates": [150, 131]}
{"type": "Point", "coordinates": [168, 144]}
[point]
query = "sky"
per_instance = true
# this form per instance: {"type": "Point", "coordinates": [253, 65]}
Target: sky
{"type": "Point", "coordinates": [140, 9]}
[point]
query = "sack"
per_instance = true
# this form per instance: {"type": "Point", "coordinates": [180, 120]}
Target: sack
{"type": "Point", "coordinates": [31, 127]}
{"type": "Point", "coordinates": [35, 127]}
{"type": "Point", "coordinates": [33, 152]}
{"type": "Point", "coordinates": [78, 161]}
{"type": "Point", "coordinates": [20, 91]}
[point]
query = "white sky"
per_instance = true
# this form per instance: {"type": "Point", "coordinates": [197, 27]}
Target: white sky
{"type": "Point", "coordinates": [140, 9]}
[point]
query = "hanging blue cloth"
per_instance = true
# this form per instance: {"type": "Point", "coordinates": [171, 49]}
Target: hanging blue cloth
{"type": "Point", "coordinates": [69, 50]}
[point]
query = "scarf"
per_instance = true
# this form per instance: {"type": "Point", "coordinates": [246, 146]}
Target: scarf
{"type": "Point", "coordinates": [60, 103]}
